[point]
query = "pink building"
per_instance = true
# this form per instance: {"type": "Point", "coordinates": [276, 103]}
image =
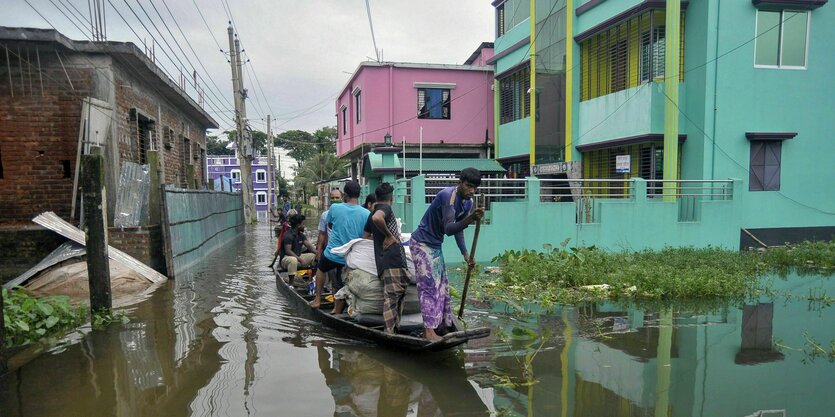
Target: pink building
{"type": "Point", "coordinates": [451, 104]}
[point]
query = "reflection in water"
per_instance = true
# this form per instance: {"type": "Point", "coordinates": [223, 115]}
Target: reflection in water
{"type": "Point", "coordinates": [368, 382]}
{"type": "Point", "coordinates": [220, 341]}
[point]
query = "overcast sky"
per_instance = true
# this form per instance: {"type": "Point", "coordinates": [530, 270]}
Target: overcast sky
{"type": "Point", "coordinates": [301, 51]}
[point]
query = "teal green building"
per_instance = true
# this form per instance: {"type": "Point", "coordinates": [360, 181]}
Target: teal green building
{"type": "Point", "coordinates": [736, 91]}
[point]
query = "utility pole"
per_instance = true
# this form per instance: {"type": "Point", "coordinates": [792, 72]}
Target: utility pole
{"type": "Point", "coordinates": [270, 170]}
{"type": "Point", "coordinates": [243, 138]}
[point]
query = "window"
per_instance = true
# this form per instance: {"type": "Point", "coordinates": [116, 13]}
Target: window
{"type": "Point", "coordinates": [434, 103]}
{"type": "Point", "coordinates": [344, 120]}
{"type": "Point", "coordinates": [652, 54]}
{"type": "Point", "coordinates": [781, 39]}
{"type": "Point", "coordinates": [500, 20]}
{"type": "Point", "coordinates": [513, 95]}
{"type": "Point", "coordinates": [260, 175]}
{"type": "Point", "coordinates": [236, 176]}
{"type": "Point", "coordinates": [186, 152]}
{"type": "Point", "coordinates": [765, 165]}
{"type": "Point", "coordinates": [358, 103]}
{"type": "Point", "coordinates": [260, 197]}
{"type": "Point", "coordinates": [617, 55]}
{"type": "Point", "coordinates": [626, 55]}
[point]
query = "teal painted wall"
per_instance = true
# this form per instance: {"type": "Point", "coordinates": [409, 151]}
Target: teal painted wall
{"type": "Point", "coordinates": [600, 13]}
{"type": "Point", "coordinates": [779, 100]}
{"type": "Point", "coordinates": [722, 97]}
{"type": "Point", "coordinates": [632, 224]}
{"type": "Point", "coordinates": [636, 111]}
{"type": "Point", "coordinates": [515, 138]}
{"type": "Point", "coordinates": [510, 38]}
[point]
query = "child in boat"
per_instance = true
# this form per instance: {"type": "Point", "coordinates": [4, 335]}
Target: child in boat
{"type": "Point", "coordinates": [449, 214]}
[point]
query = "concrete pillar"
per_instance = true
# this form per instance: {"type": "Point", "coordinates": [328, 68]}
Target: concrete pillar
{"type": "Point", "coordinates": [532, 191]}
{"type": "Point", "coordinates": [418, 200]}
{"type": "Point", "coordinates": [3, 358]}
{"type": "Point", "coordinates": [639, 189]}
{"type": "Point", "coordinates": [95, 221]}
{"type": "Point", "coordinates": [671, 76]}
{"type": "Point", "coordinates": [154, 192]}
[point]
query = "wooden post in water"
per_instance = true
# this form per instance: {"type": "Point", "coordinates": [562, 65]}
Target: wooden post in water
{"type": "Point", "coordinates": [2, 336]}
{"type": "Point", "coordinates": [95, 225]}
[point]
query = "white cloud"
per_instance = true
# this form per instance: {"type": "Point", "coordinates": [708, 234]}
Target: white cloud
{"type": "Point", "coordinates": [298, 49]}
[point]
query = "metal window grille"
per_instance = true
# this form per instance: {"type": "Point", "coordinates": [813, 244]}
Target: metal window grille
{"type": "Point", "coordinates": [428, 110]}
{"type": "Point", "coordinates": [626, 55]}
{"type": "Point", "coordinates": [513, 95]}
{"type": "Point", "coordinates": [500, 22]}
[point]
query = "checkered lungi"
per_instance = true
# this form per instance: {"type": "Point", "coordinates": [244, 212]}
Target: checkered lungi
{"type": "Point", "coordinates": [395, 282]}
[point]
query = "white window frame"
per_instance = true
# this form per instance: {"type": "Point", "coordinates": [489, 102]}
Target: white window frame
{"type": "Point", "coordinates": [258, 196]}
{"type": "Point", "coordinates": [260, 171]}
{"type": "Point", "coordinates": [780, 52]}
{"type": "Point", "coordinates": [235, 179]}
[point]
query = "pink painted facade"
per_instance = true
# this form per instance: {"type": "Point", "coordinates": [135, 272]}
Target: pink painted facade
{"type": "Point", "coordinates": [388, 103]}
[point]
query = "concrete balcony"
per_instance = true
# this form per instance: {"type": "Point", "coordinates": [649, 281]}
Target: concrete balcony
{"type": "Point", "coordinates": [632, 112]}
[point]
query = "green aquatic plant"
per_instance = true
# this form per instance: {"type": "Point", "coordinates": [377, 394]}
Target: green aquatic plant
{"type": "Point", "coordinates": [103, 318]}
{"type": "Point", "coordinates": [30, 319]}
{"type": "Point", "coordinates": [574, 275]}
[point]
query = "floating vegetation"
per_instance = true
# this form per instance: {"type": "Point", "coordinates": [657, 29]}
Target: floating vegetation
{"type": "Point", "coordinates": [571, 275]}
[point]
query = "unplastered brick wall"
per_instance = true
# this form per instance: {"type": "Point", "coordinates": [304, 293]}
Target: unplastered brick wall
{"type": "Point", "coordinates": [40, 112]}
{"type": "Point", "coordinates": [143, 243]}
{"type": "Point", "coordinates": [167, 131]}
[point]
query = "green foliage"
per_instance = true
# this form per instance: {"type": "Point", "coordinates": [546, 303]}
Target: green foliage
{"type": "Point", "coordinates": [215, 146]}
{"type": "Point", "coordinates": [809, 257]}
{"type": "Point", "coordinates": [320, 167]}
{"type": "Point", "coordinates": [570, 275]}
{"type": "Point", "coordinates": [29, 319]}
{"type": "Point", "coordinates": [103, 318]}
{"type": "Point", "coordinates": [303, 146]}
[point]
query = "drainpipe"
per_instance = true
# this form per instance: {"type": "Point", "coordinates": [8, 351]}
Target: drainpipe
{"type": "Point", "coordinates": [715, 93]}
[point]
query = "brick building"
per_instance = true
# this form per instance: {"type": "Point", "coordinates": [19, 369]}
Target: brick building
{"type": "Point", "coordinates": [59, 96]}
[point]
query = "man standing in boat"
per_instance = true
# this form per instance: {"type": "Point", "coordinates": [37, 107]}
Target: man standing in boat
{"type": "Point", "coordinates": [449, 214]}
{"type": "Point", "coordinates": [348, 221]}
{"type": "Point", "coordinates": [389, 255]}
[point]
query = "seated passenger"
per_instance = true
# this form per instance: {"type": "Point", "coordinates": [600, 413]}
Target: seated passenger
{"type": "Point", "coordinates": [293, 246]}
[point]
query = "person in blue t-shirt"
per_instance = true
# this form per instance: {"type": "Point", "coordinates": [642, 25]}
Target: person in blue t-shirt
{"type": "Point", "coordinates": [449, 214]}
{"type": "Point", "coordinates": [348, 223]}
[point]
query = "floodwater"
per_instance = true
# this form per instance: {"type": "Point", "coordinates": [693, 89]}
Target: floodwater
{"type": "Point", "coordinates": [220, 341]}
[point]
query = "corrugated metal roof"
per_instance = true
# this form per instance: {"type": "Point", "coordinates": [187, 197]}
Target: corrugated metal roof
{"type": "Point", "coordinates": [375, 161]}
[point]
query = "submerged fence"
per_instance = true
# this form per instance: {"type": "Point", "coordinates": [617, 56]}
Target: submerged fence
{"type": "Point", "coordinates": [198, 222]}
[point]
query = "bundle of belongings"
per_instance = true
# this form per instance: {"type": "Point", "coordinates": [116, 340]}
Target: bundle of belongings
{"type": "Point", "coordinates": [363, 288]}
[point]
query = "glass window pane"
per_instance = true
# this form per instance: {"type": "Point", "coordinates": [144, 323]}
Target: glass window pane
{"type": "Point", "coordinates": [768, 37]}
{"type": "Point", "coordinates": [794, 39]}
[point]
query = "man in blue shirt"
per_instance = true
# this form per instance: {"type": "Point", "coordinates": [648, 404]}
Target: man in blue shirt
{"type": "Point", "coordinates": [348, 222]}
{"type": "Point", "coordinates": [449, 214]}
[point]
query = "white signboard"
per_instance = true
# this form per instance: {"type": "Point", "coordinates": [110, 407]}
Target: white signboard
{"type": "Point", "coordinates": [623, 164]}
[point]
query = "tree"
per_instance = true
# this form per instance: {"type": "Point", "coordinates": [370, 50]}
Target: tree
{"type": "Point", "coordinates": [215, 146]}
{"type": "Point", "coordinates": [321, 167]}
{"type": "Point", "coordinates": [259, 140]}
{"type": "Point", "coordinates": [302, 145]}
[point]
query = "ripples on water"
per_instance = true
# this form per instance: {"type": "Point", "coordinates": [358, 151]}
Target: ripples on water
{"type": "Point", "coordinates": [221, 341]}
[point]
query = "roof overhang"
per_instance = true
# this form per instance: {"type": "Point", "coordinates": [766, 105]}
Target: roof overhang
{"type": "Point", "coordinates": [630, 140]}
{"type": "Point", "coordinates": [770, 135]}
{"type": "Point", "coordinates": [788, 4]}
{"type": "Point", "coordinates": [623, 16]}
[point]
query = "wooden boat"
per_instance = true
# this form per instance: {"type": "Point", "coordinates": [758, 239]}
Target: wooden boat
{"type": "Point", "coordinates": [374, 333]}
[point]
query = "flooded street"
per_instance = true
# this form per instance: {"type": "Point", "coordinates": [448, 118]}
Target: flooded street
{"type": "Point", "coordinates": [221, 341]}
